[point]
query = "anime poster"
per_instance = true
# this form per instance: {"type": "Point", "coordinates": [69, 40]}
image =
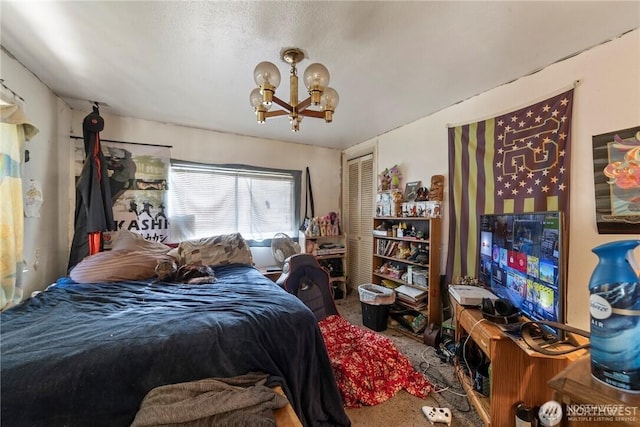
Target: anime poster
{"type": "Point", "coordinates": [138, 176]}
{"type": "Point", "coordinates": [616, 162]}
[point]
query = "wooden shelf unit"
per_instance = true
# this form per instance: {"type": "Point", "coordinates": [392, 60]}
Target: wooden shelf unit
{"type": "Point", "coordinates": [311, 244]}
{"type": "Point", "coordinates": [431, 230]}
{"type": "Point", "coordinates": [518, 374]}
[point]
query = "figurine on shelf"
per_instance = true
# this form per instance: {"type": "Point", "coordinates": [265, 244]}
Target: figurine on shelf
{"type": "Point", "coordinates": [403, 250]}
{"type": "Point", "coordinates": [334, 223]}
{"type": "Point", "coordinates": [396, 176]}
{"type": "Point", "coordinates": [436, 192]}
{"type": "Point", "coordinates": [314, 227]}
{"type": "Point", "coordinates": [422, 195]}
{"type": "Point", "coordinates": [415, 250]}
{"type": "Point", "coordinates": [390, 178]}
{"type": "Point", "coordinates": [385, 180]}
{"type": "Point", "coordinates": [323, 226]}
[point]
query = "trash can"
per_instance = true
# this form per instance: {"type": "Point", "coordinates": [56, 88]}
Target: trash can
{"type": "Point", "coordinates": [376, 301]}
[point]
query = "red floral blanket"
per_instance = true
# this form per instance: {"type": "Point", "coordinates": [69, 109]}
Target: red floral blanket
{"type": "Point", "coordinates": [368, 367]}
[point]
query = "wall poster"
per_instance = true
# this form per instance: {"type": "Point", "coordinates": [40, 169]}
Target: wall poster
{"type": "Point", "coordinates": [616, 170]}
{"type": "Point", "coordinates": [138, 176]}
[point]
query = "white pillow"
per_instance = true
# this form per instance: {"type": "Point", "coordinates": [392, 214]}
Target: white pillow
{"type": "Point", "coordinates": [117, 265]}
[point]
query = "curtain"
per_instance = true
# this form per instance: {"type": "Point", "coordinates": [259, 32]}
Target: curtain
{"type": "Point", "coordinates": [15, 128]}
{"type": "Point", "coordinates": [515, 162]}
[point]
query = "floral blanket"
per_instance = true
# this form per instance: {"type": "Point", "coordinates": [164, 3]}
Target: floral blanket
{"type": "Point", "coordinates": [368, 367]}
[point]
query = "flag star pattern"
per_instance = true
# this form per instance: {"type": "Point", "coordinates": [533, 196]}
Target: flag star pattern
{"type": "Point", "coordinates": [512, 163]}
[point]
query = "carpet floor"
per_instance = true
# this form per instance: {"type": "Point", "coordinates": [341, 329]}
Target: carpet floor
{"type": "Point", "coordinates": [405, 410]}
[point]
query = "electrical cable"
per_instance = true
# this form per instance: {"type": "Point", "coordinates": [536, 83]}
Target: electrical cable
{"type": "Point", "coordinates": [441, 386]}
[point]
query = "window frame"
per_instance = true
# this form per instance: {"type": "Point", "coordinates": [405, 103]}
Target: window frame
{"type": "Point", "coordinates": [296, 176]}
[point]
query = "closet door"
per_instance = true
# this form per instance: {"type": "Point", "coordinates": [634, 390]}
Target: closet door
{"type": "Point", "coordinates": [360, 220]}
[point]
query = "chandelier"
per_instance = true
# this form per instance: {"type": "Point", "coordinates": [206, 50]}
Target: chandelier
{"type": "Point", "coordinates": [316, 79]}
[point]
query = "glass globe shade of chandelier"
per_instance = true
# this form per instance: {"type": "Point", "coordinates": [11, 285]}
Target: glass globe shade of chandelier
{"type": "Point", "coordinates": [316, 79]}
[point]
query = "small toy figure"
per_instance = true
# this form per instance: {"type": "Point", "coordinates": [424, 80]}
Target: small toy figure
{"type": "Point", "coordinates": [422, 195]}
{"type": "Point", "coordinates": [395, 174]}
{"type": "Point", "coordinates": [415, 250]}
{"type": "Point", "coordinates": [397, 203]}
{"type": "Point", "coordinates": [333, 224]}
{"type": "Point", "coordinates": [390, 178]}
{"type": "Point", "coordinates": [403, 250]}
{"type": "Point", "coordinates": [314, 227]}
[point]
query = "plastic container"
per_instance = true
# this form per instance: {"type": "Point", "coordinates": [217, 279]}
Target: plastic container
{"type": "Point", "coordinates": [615, 316]}
{"type": "Point", "coordinates": [376, 294]}
{"type": "Point", "coordinates": [376, 301]}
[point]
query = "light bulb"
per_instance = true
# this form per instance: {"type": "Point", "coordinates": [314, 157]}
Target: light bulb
{"type": "Point", "coordinates": [255, 98]}
{"type": "Point", "coordinates": [266, 73]}
{"type": "Point", "coordinates": [329, 99]}
{"type": "Point", "coordinates": [316, 76]}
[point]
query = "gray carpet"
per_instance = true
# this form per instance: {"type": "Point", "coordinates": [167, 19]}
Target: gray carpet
{"type": "Point", "coordinates": [404, 409]}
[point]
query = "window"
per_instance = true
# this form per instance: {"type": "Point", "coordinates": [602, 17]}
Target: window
{"type": "Point", "coordinates": [206, 200]}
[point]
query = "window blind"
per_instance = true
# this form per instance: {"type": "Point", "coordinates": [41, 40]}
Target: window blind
{"type": "Point", "coordinates": [206, 200]}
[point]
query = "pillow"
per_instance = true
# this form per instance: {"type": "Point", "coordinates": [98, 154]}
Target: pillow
{"type": "Point", "coordinates": [128, 240]}
{"type": "Point", "coordinates": [117, 265]}
{"type": "Point", "coordinates": [214, 251]}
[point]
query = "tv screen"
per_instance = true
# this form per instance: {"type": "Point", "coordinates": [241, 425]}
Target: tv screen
{"type": "Point", "coordinates": [521, 260]}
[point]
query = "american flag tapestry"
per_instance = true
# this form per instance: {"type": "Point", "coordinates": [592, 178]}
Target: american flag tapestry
{"type": "Point", "coordinates": [512, 163]}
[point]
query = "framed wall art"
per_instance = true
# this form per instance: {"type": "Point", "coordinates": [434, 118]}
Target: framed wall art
{"type": "Point", "coordinates": [411, 191]}
{"type": "Point", "coordinates": [616, 170]}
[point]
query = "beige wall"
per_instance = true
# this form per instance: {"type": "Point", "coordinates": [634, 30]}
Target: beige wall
{"type": "Point", "coordinates": [607, 99]}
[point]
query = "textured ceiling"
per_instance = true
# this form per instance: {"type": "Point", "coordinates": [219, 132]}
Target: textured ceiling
{"type": "Point", "coordinates": [191, 63]}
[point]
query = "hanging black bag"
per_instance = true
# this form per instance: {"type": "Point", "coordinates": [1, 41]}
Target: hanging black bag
{"type": "Point", "coordinates": [308, 197]}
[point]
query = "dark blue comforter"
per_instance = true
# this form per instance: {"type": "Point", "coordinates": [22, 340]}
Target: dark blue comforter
{"type": "Point", "coordinates": [86, 354]}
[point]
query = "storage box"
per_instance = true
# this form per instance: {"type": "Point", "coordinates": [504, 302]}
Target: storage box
{"type": "Point", "coordinates": [420, 277]}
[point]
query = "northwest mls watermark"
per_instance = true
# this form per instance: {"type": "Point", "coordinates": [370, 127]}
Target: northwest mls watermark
{"type": "Point", "coordinates": [602, 413]}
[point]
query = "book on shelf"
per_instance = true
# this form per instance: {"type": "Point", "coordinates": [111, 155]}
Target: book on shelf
{"type": "Point", "coordinates": [381, 246]}
{"type": "Point", "coordinates": [332, 251]}
{"type": "Point", "coordinates": [415, 305]}
{"type": "Point", "coordinates": [391, 249]}
{"type": "Point", "coordinates": [411, 294]}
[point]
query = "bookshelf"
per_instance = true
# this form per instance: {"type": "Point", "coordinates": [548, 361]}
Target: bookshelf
{"type": "Point", "coordinates": [409, 261]}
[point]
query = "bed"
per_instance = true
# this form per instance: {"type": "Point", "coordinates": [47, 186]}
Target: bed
{"type": "Point", "coordinates": [83, 354]}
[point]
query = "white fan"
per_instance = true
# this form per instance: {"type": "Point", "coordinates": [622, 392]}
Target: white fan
{"type": "Point", "coordinates": [282, 247]}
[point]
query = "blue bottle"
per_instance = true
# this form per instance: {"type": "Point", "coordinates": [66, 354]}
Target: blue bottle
{"type": "Point", "coordinates": [615, 316]}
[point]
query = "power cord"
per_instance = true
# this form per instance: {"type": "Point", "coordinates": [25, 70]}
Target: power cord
{"type": "Point", "coordinates": [464, 346]}
{"type": "Point", "coordinates": [442, 386]}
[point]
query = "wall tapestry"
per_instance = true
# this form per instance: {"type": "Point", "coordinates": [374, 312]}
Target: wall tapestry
{"type": "Point", "coordinates": [616, 171]}
{"type": "Point", "coordinates": [138, 176]}
{"type": "Point", "coordinates": [514, 162]}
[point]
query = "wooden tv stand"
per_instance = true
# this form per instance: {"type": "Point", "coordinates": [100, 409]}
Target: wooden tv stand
{"type": "Point", "coordinates": [518, 374]}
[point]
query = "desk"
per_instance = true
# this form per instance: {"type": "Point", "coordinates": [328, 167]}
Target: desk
{"type": "Point", "coordinates": [518, 374]}
{"type": "Point", "coordinates": [575, 385]}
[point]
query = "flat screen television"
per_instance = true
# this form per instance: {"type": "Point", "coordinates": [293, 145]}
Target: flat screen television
{"type": "Point", "coordinates": [522, 261]}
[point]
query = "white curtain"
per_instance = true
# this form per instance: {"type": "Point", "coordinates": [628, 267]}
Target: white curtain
{"type": "Point", "coordinates": [15, 128]}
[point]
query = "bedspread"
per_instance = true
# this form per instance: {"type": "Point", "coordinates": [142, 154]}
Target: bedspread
{"type": "Point", "coordinates": [87, 354]}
